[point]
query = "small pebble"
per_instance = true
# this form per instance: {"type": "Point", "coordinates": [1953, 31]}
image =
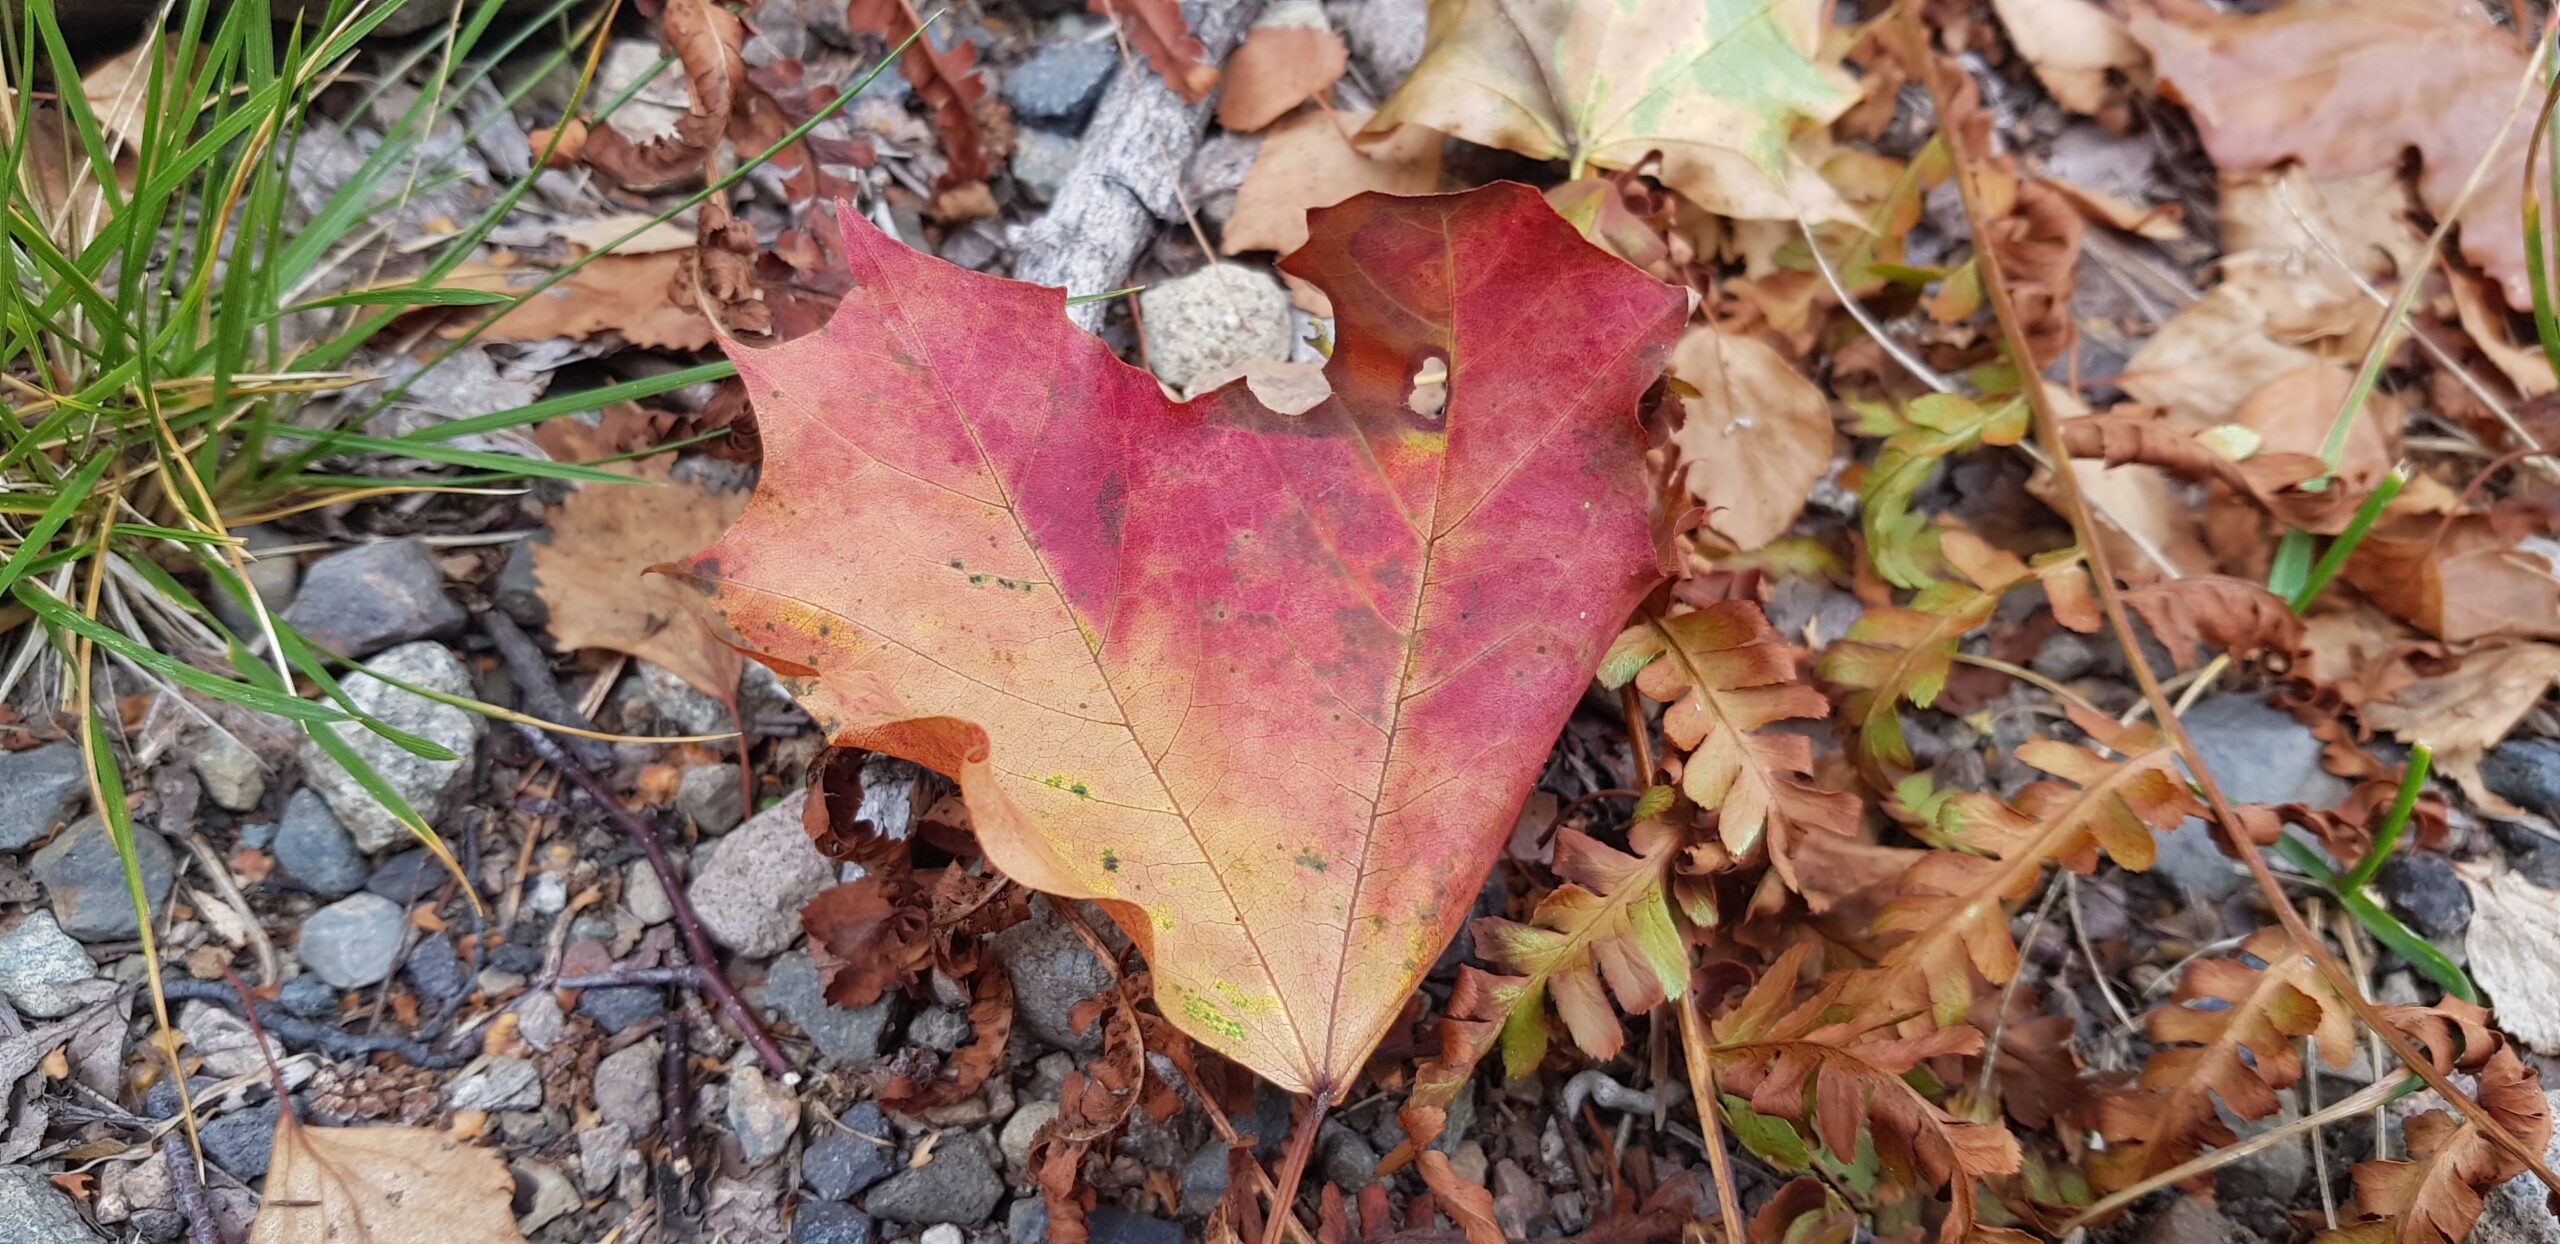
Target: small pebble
{"type": "Point", "coordinates": [84, 878]}
{"type": "Point", "coordinates": [37, 961]}
{"type": "Point", "coordinates": [41, 789]}
{"type": "Point", "coordinates": [832, 1222]}
{"type": "Point", "coordinates": [939, 1029]}
{"type": "Point", "coordinates": [242, 1142]}
{"type": "Point", "coordinates": [503, 1084]}
{"type": "Point", "coordinates": [622, 1006]}
{"type": "Point", "coordinates": [540, 1022]}
{"type": "Point", "coordinates": [626, 1087]}
{"type": "Point", "coordinates": [642, 894]}
{"type": "Point", "coordinates": [362, 600]}
{"type": "Point", "coordinates": [1021, 1130]}
{"type": "Point", "coordinates": [312, 848]}
{"type": "Point", "coordinates": [308, 997]}
{"type": "Point", "coordinates": [763, 1114]}
{"type": "Point", "coordinates": [436, 970]}
{"type": "Point", "coordinates": [851, 1155]}
{"type": "Point", "coordinates": [708, 795]}
{"type": "Point", "coordinates": [350, 943]}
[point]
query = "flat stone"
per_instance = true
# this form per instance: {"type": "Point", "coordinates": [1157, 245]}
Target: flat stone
{"type": "Point", "coordinates": [313, 849]}
{"type": "Point", "coordinates": [2258, 754]}
{"type": "Point", "coordinates": [847, 1040]}
{"type": "Point", "coordinates": [84, 878]}
{"type": "Point", "coordinates": [750, 892]}
{"type": "Point", "coordinates": [40, 791]}
{"type": "Point", "coordinates": [274, 578]}
{"type": "Point", "coordinates": [243, 1141]}
{"type": "Point", "coordinates": [359, 601]}
{"type": "Point", "coordinates": [763, 1114]}
{"type": "Point", "coordinates": [553, 1194]}
{"type": "Point", "coordinates": [1052, 970]}
{"type": "Point", "coordinates": [626, 1087]}
{"type": "Point", "coordinates": [428, 785]}
{"type": "Point", "coordinates": [601, 1152]}
{"type": "Point", "coordinates": [622, 1006]}
{"type": "Point", "coordinates": [643, 896]}
{"type": "Point", "coordinates": [518, 593]}
{"type": "Point", "coordinates": [32, 1209]}
{"type": "Point", "coordinates": [233, 776]}
{"type": "Point", "coordinates": [832, 1222]}
{"type": "Point", "coordinates": [1059, 84]}
{"type": "Point", "coordinates": [502, 1084]}
{"type": "Point", "coordinates": [956, 1185]}
{"type": "Point", "coordinates": [850, 1157]}
{"type": "Point", "coordinates": [351, 943]}
{"type": "Point", "coordinates": [540, 1021]}
{"type": "Point", "coordinates": [37, 961]}
{"type": "Point", "coordinates": [226, 1043]}
{"type": "Point", "coordinates": [1213, 321]}
{"type": "Point", "coordinates": [1109, 1225]}
{"type": "Point", "coordinates": [652, 700]}
{"type": "Point", "coordinates": [1041, 161]}
{"type": "Point", "coordinates": [2525, 772]}
{"type": "Point", "coordinates": [708, 795]}
{"type": "Point", "coordinates": [436, 970]}
{"type": "Point", "coordinates": [1020, 1131]}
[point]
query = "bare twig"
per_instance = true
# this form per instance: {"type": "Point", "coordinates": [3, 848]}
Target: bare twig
{"type": "Point", "coordinates": [188, 1190]}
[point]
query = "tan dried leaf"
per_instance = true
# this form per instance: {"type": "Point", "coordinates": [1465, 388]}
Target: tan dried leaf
{"type": "Point", "coordinates": [1753, 441]}
{"type": "Point", "coordinates": [382, 1185]}
{"type": "Point", "coordinates": [1276, 69]}
{"type": "Point", "coordinates": [1307, 161]}
{"type": "Point", "coordinates": [593, 572]}
{"type": "Point", "coordinates": [626, 294]}
{"type": "Point", "coordinates": [2071, 44]}
{"type": "Point", "coordinates": [2462, 714]}
{"type": "Point", "coordinates": [2513, 945]}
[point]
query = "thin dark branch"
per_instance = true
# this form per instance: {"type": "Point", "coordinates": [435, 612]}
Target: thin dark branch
{"type": "Point", "coordinates": [301, 1033]}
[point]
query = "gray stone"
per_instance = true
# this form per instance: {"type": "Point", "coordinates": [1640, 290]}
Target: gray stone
{"type": "Point", "coordinates": [362, 600]}
{"type": "Point", "coordinates": [1052, 970]}
{"type": "Point", "coordinates": [308, 997]}
{"type": "Point", "coordinates": [2276, 1172]}
{"type": "Point", "coordinates": [1058, 85]}
{"type": "Point", "coordinates": [312, 848]}
{"type": "Point", "coordinates": [40, 790]}
{"type": "Point", "coordinates": [652, 700]}
{"type": "Point", "coordinates": [2422, 886]}
{"type": "Point", "coordinates": [1204, 1179]}
{"type": "Point", "coordinates": [351, 943]}
{"type": "Point", "coordinates": [846, 1039]}
{"type": "Point", "coordinates": [233, 776]}
{"type": "Point", "coordinates": [274, 578]}
{"type": "Point", "coordinates": [2187, 1220]}
{"type": "Point", "coordinates": [2525, 772]}
{"type": "Point", "coordinates": [84, 877]}
{"type": "Point", "coordinates": [644, 896]}
{"type": "Point", "coordinates": [943, 1233]}
{"type": "Point", "coordinates": [1022, 1130]}
{"type": "Point", "coordinates": [602, 1149]}
{"type": "Point", "coordinates": [1206, 324]}
{"type": "Point", "coordinates": [1041, 161]}
{"type": "Point", "coordinates": [502, 1084]}
{"type": "Point", "coordinates": [540, 1021]}
{"type": "Point", "coordinates": [1344, 1157]}
{"type": "Point", "coordinates": [36, 961]}
{"type": "Point", "coordinates": [939, 1029]}
{"type": "Point", "coordinates": [763, 1114]}
{"type": "Point", "coordinates": [709, 796]}
{"type": "Point", "coordinates": [622, 1006]}
{"type": "Point", "coordinates": [626, 1087]}
{"type": "Point", "coordinates": [518, 593]}
{"type": "Point", "coordinates": [957, 1185]}
{"type": "Point", "coordinates": [32, 1209]}
{"type": "Point", "coordinates": [750, 892]}
{"type": "Point", "coordinates": [2259, 754]}
{"type": "Point", "coordinates": [832, 1222]}
{"type": "Point", "coordinates": [1385, 35]}
{"type": "Point", "coordinates": [850, 1157]}
{"type": "Point", "coordinates": [427, 785]}
{"type": "Point", "coordinates": [242, 1142]}
{"type": "Point", "coordinates": [1109, 1225]}
{"type": "Point", "coordinates": [436, 970]}
{"type": "Point", "coordinates": [407, 877]}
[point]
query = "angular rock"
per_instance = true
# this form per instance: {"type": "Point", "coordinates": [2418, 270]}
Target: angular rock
{"type": "Point", "coordinates": [1015, 1141]}
{"type": "Point", "coordinates": [708, 795]}
{"type": "Point", "coordinates": [351, 943]}
{"type": "Point", "coordinates": [831, 1222]}
{"type": "Point", "coordinates": [243, 1141]}
{"type": "Point", "coordinates": [2259, 754]}
{"type": "Point", "coordinates": [1041, 161]}
{"type": "Point", "coordinates": [2525, 772]}
{"type": "Point", "coordinates": [957, 1185]}
{"type": "Point", "coordinates": [622, 1006]}
{"type": "Point", "coordinates": [427, 785]}
{"type": "Point", "coordinates": [846, 1039]}
{"type": "Point", "coordinates": [1052, 970]}
{"type": "Point", "coordinates": [643, 896]}
{"type": "Point", "coordinates": [362, 600]}
{"type": "Point", "coordinates": [37, 960]}
{"type": "Point", "coordinates": [1111, 1225]}
{"type": "Point", "coordinates": [407, 877]}
{"type": "Point", "coordinates": [32, 1209]}
{"type": "Point", "coordinates": [233, 776]}
{"type": "Point", "coordinates": [626, 1087]}
{"type": "Point", "coordinates": [1058, 86]}
{"type": "Point", "coordinates": [2422, 886]}
{"type": "Point", "coordinates": [601, 1152]}
{"type": "Point", "coordinates": [518, 593]}
{"type": "Point", "coordinates": [540, 1021]}
{"type": "Point", "coordinates": [763, 1114]}
{"type": "Point", "coordinates": [312, 848]}
{"type": "Point", "coordinates": [436, 970]}
{"type": "Point", "coordinates": [652, 700]}
{"type": "Point", "coordinates": [750, 892]}
{"type": "Point", "coordinates": [853, 1155]}
{"type": "Point", "coordinates": [553, 1194]}
{"type": "Point", "coordinates": [40, 790]}
{"type": "Point", "coordinates": [2187, 1220]}
{"type": "Point", "coordinates": [1210, 322]}
{"type": "Point", "coordinates": [84, 878]}
{"type": "Point", "coordinates": [503, 1084]}
{"type": "Point", "coordinates": [939, 1028]}
{"type": "Point", "coordinates": [308, 997]}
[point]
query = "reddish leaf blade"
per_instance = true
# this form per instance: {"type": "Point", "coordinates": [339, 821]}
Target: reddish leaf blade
{"type": "Point", "coordinates": [1271, 687]}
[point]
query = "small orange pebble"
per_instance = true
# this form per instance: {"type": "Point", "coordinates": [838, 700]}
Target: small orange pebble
{"type": "Point", "coordinates": [468, 1124]}
{"type": "Point", "coordinates": [426, 918]}
{"type": "Point", "coordinates": [56, 1064]}
{"type": "Point", "coordinates": [501, 1040]}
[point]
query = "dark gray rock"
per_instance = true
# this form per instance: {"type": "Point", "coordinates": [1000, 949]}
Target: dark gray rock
{"type": "Point", "coordinates": [1119, 1226]}
{"type": "Point", "coordinates": [351, 943]}
{"type": "Point", "coordinates": [626, 1087]}
{"type": "Point", "coordinates": [160, 1101]}
{"type": "Point", "coordinates": [429, 785]}
{"type": "Point", "coordinates": [2525, 772]}
{"type": "Point", "coordinates": [1058, 86]}
{"type": "Point", "coordinates": [2530, 850]}
{"type": "Point", "coordinates": [2422, 886]}
{"type": "Point", "coordinates": [1204, 1179]}
{"type": "Point", "coordinates": [518, 593]}
{"type": "Point", "coordinates": [40, 790]}
{"type": "Point", "coordinates": [1343, 1157]}
{"type": "Point", "coordinates": [275, 579]}
{"type": "Point", "coordinates": [241, 1142]}
{"type": "Point", "coordinates": [831, 1222]}
{"type": "Point", "coordinates": [708, 795]}
{"type": "Point", "coordinates": [32, 1209]}
{"type": "Point", "coordinates": [308, 997]}
{"type": "Point", "coordinates": [848, 1159]}
{"type": "Point", "coordinates": [846, 1039]}
{"type": "Point", "coordinates": [2259, 754]}
{"type": "Point", "coordinates": [84, 877]}
{"type": "Point", "coordinates": [407, 877]}
{"type": "Point", "coordinates": [313, 849]}
{"type": "Point", "coordinates": [938, 1028]}
{"type": "Point", "coordinates": [40, 968]}
{"type": "Point", "coordinates": [1041, 161]}
{"type": "Point", "coordinates": [436, 970]}
{"type": "Point", "coordinates": [622, 1006]}
{"type": "Point", "coordinates": [374, 596]}
{"type": "Point", "coordinates": [958, 1184]}
{"type": "Point", "coordinates": [1052, 970]}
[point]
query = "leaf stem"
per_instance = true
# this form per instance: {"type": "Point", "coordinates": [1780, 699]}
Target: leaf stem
{"type": "Point", "coordinates": [2387, 836]}
{"type": "Point", "coordinates": [1701, 1060]}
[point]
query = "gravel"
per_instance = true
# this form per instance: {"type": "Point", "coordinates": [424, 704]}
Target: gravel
{"type": "Point", "coordinates": [957, 1185]}
{"type": "Point", "coordinates": [643, 895]}
{"type": "Point", "coordinates": [351, 943]}
{"type": "Point", "coordinates": [374, 596]}
{"type": "Point", "coordinates": [313, 849]}
{"type": "Point", "coordinates": [622, 1006]}
{"type": "Point", "coordinates": [847, 1040]}
{"type": "Point", "coordinates": [841, 1162]}
{"type": "Point", "coordinates": [407, 877]}
{"type": "Point", "coordinates": [708, 795]}
{"type": "Point", "coordinates": [1020, 1131]}
{"type": "Point", "coordinates": [750, 892]}
{"type": "Point", "coordinates": [1057, 87]}
{"type": "Point", "coordinates": [428, 785]}
{"type": "Point", "coordinates": [85, 879]}
{"type": "Point", "coordinates": [32, 1209]}
{"type": "Point", "coordinates": [763, 1114]}
{"type": "Point", "coordinates": [652, 700]}
{"type": "Point", "coordinates": [2514, 1211]}
{"type": "Point", "coordinates": [40, 790]}
{"type": "Point", "coordinates": [1052, 970]}
{"type": "Point", "coordinates": [828, 1222]}
{"type": "Point", "coordinates": [626, 1087]}
{"type": "Point", "coordinates": [501, 1084]}
{"type": "Point", "coordinates": [1209, 322]}
{"type": "Point", "coordinates": [242, 1142]}
{"type": "Point", "coordinates": [36, 961]}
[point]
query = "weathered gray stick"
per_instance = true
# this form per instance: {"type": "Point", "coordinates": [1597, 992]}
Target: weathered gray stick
{"type": "Point", "coordinates": [1125, 176]}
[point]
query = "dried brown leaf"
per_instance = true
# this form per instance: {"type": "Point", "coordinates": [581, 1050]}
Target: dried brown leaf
{"type": "Point", "coordinates": [593, 572]}
{"type": "Point", "coordinates": [1754, 438]}
{"type": "Point", "coordinates": [382, 1185]}
{"type": "Point", "coordinates": [1276, 69]}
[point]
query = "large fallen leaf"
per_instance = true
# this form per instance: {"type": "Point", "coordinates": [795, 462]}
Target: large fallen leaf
{"type": "Point", "coordinates": [2347, 86]}
{"type": "Point", "coordinates": [2460, 582]}
{"type": "Point", "coordinates": [382, 1185]}
{"type": "Point", "coordinates": [593, 575]}
{"type": "Point", "coordinates": [1715, 87]}
{"type": "Point", "coordinates": [1269, 687]}
{"type": "Point", "coordinates": [1753, 439]}
{"type": "Point", "coordinates": [1308, 161]}
{"type": "Point", "coordinates": [2513, 944]}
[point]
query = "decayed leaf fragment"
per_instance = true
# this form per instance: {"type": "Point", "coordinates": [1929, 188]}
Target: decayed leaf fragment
{"type": "Point", "coordinates": [1308, 161]}
{"type": "Point", "coordinates": [382, 1185]}
{"type": "Point", "coordinates": [1276, 69]}
{"type": "Point", "coordinates": [592, 572]}
{"type": "Point", "coordinates": [1716, 87]}
{"type": "Point", "coordinates": [1268, 687]}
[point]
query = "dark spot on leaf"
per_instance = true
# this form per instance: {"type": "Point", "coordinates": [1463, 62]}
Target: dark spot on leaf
{"type": "Point", "coordinates": [1110, 861]}
{"type": "Point", "coordinates": [1307, 858]}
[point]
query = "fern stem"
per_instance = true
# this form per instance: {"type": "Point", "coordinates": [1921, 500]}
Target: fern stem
{"type": "Point", "coordinates": [1702, 1093]}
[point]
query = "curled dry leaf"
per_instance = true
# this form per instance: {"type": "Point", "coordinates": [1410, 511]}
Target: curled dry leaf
{"type": "Point", "coordinates": [593, 572]}
{"type": "Point", "coordinates": [1276, 69]}
{"type": "Point", "coordinates": [946, 79]}
{"type": "Point", "coordinates": [1164, 37]}
{"type": "Point", "coordinates": [2435, 1196]}
{"type": "Point", "coordinates": [1308, 161]}
{"type": "Point", "coordinates": [706, 38]}
{"type": "Point", "coordinates": [1754, 435]}
{"type": "Point", "coordinates": [1716, 89]}
{"type": "Point", "coordinates": [2073, 45]}
{"type": "Point", "coordinates": [2347, 86]}
{"type": "Point", "coordinates": [1130, 661]}
{"type": "Point", "coordinates": [2217, 614]}
{"type": "Point", "coordinates": [632, 295]}
{"type": "Point", "coordinates": [2464, 712]}
{"type": "Point", "coordinates": [382, 1185]}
